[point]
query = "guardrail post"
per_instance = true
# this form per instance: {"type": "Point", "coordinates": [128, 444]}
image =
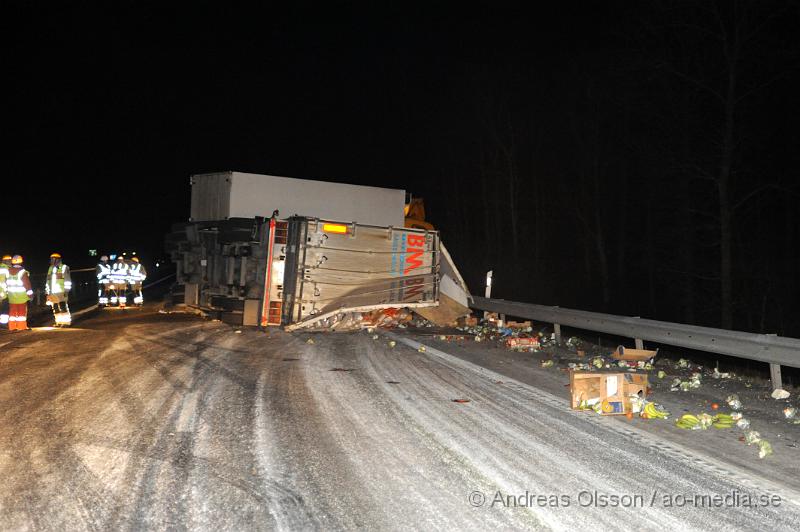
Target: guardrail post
{"type": "Point", "coordinates": [775, 376]}
{"type": "Point", "coordinates": [557, 329]}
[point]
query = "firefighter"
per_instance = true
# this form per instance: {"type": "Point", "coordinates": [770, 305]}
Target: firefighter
{"type": "Point", "coordinates": [103, 272]}
{"type": "Point", "coordinates": [136, 276]}
{"type": "Point", "coordinates": [18, 285]}
{"type": "Point", "coordinates": [119, 282]}
{"type": "Point", "coordinates": [57, 286]}
{"type": "Point", "coordinates": [5, 264]}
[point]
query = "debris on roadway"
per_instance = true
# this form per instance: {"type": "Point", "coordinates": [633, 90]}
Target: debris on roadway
{"type": "Point", "coordinates": [523, 344]}
{"type": "Point", "coordinates": [780, 393]}
{"type": "Point", "coordinates": [734, 402]}
{"type": "Point", "coordinates": [636, 355]}
{"type": "Point", "coordinates": [600, 379]}
{"type": "Point", "coordinates": [607, 393]}
{"type": "Point", "coordinates": [704, 421]}
{"type": "Point", "coordinates": [612, 382]}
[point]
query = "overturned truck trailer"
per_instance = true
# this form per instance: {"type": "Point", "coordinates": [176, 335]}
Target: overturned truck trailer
{"type": "Point", "coordinates": [304, 270]}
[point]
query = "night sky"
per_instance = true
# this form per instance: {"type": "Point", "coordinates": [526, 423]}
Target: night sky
{"type": "Point", "coordinates": [113, 108]}
{"type": "Point", "coordinates": [116, 109]}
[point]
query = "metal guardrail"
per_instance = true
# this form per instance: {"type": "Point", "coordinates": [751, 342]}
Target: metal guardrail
{"type": "Point", "coordinates": [159, 281]}
{"type": "Point", "coordinates": [773, 349]}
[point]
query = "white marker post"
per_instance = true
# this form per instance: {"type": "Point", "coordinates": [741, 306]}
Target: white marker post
{"type": "Point", "coordinates": [488, 293]}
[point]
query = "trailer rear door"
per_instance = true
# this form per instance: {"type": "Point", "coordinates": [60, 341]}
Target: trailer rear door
{"type": "Point", "coordinates": [324, 268]}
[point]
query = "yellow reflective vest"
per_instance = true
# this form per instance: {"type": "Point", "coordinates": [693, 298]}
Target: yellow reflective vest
{"type": "Point", "coordinates": [58, 280]}
{"type": "Point", "coordinates": [3, 280]}
{"type": "Point", "coordinates": [18, 286]}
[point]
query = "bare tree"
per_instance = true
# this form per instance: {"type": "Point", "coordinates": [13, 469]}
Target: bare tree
{"type": "Point", "coordinates": [725, 64]}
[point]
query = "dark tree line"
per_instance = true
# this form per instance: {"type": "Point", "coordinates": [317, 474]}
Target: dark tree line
{"type": "Point", "coordinates": [655, 176]}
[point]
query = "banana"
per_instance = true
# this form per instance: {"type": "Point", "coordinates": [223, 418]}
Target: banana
{"type": "Point", "coordinates": [653, 412]}
{"type": "Point", "coordinates": [722, 421]}
{"type": "Point", "coordinates": [690, 421]}
{"type": "Point", "coordinates": [687, 421]}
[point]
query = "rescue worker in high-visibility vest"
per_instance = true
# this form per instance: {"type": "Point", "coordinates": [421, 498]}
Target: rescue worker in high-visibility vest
{"type": "Point", "coordinates": [103, 272]}
{"type": "Point", "coordinates": [57, 286]}
{"type": "Point", "coordinates": [18, 286]}
{"type": "Point", "coordinates": [136, 276]}
{"type": "Point", "coordinates": [119, 282]}
{"type": "Point", "coordinates": [5, 264]}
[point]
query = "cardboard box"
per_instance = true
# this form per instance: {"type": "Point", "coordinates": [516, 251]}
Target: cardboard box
{"type": "Point", "coordinates": [611, 390]}
{"type": "Point", "coordinates": [623, 353]}
{"type": "Point", "coordinates": [522, 343]}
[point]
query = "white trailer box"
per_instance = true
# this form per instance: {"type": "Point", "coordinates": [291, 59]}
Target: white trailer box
{"type": "Point", "coordinates": [224, 195]}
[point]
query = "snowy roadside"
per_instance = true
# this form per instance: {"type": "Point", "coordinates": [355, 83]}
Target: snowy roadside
{"type": "Point", "coordinates": [764, 414]}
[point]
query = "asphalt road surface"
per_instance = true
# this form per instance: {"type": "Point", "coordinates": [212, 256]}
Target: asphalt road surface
{"type": "Point", "coordinates": [140, 420]}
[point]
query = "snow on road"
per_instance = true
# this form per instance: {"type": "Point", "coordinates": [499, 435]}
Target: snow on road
{"type": "Point", "coordinates": [166, 421]}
